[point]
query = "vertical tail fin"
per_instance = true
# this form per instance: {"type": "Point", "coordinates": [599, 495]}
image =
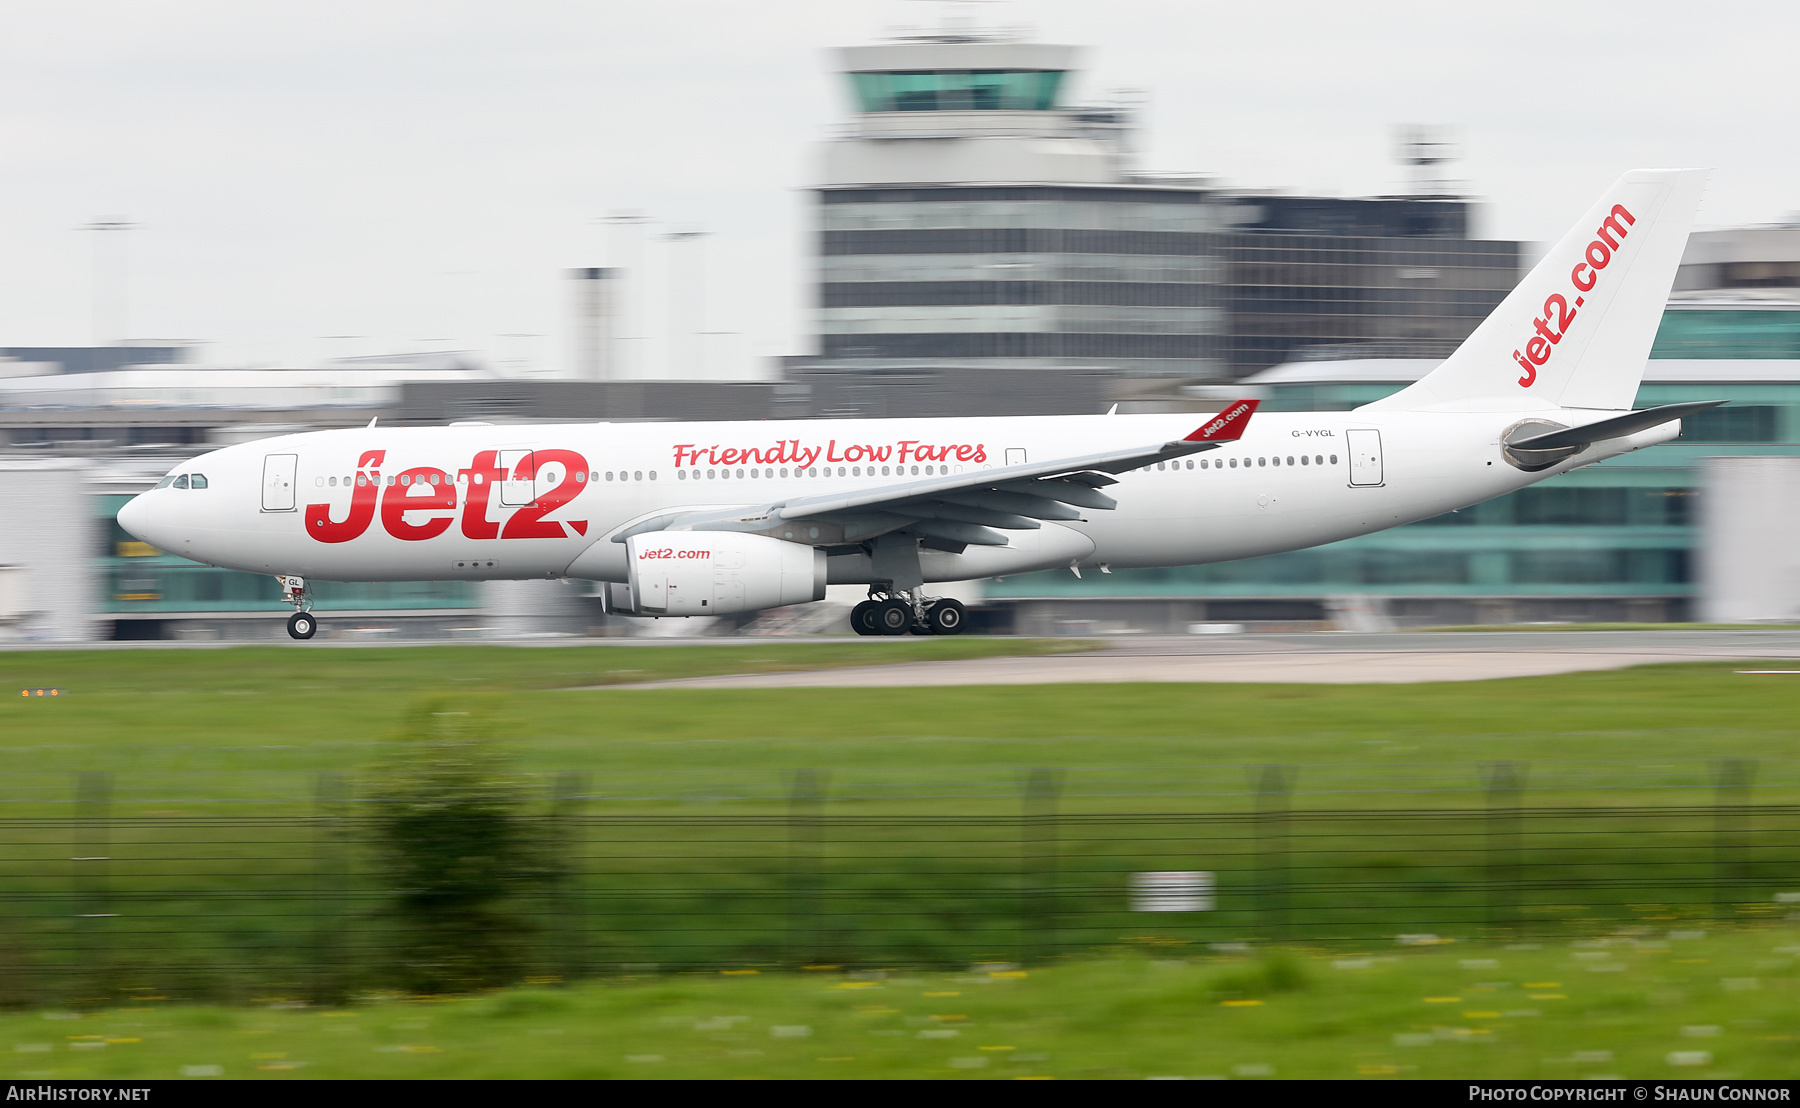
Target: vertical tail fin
{"type": "Point", "coordinates": [1577, 330]}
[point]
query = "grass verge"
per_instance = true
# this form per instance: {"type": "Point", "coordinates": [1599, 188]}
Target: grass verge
{"type": "Point", "coordinates": [919, 846]}
{"type": "Point", "coordinates": [280, 710]}
{"type": "Point", "coordinates": [1679, 1004]}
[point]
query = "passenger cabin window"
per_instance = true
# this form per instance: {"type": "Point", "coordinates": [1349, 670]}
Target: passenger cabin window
{"type": "Point", "coordinates": [181, 482]}
{"type": "Point", "coordinates": [198, 481]}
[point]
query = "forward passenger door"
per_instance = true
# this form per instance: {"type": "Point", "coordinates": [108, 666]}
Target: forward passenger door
{"type": "Point", "coordinates": [278, 482]}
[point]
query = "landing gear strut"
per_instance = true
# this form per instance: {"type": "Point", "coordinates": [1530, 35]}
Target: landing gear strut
{"type": "Point", "coordinates": [898, 612]}
{"type": "Point", "coordinates": [302, 624]}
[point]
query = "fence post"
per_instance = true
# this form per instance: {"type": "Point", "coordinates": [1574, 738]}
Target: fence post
{"type": "Point", "coordinates": [1272, 785]}
{"type": "Point", "coordinates": [331, 881]}
{"type": "Point", "coordinates": [1731, 825]}
{"type": "Point", "coordinates": [93, 866]}
{"type": "Point", "coordinates": [1505, 786]}
{"type": "Point", "coordinates": [806, 863]}
{"type": "Point", "coordinates": [1038, 907]}
{"type": "Point", "coordinates": [571, 905]}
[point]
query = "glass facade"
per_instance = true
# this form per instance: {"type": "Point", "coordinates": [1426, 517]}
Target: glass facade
{"type": "Point", "coordinates": [1292, 295]}
{"type": "Point", "coordinates": [1621, 530]}
{"type": "Point", "coordinates": [1728, 333]}
{"type": "Point", "coordinates": [958, 90]}
{"type": "Point", "coordinates": [1152, 282]}
{"type": "Point", "coordinates": [1119, 277]}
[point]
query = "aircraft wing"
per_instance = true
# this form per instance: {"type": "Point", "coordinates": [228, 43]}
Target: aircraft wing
{"type": "Point", "coordinates": [962, 508]}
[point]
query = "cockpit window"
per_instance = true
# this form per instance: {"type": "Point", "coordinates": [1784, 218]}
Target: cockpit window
{"type": "Point", "coordinates": [181, 482]}
{"type": "Point", "coordinates": [198, 481]}
{"type": "Point", "coordinates": [165, 482]}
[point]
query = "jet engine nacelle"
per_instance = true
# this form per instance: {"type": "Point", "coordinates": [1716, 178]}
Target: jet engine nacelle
{"type": "Point", "coordinates": [717, 573]}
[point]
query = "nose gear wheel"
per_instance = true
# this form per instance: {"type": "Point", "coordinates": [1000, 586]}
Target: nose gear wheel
{"type": "Point", "coordinates": [302, 624]}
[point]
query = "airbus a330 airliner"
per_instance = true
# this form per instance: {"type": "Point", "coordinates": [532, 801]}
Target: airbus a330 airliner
{"type": "Point", "coordinates": [716, 518]}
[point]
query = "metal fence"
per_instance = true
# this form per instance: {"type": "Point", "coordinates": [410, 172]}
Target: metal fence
{"type": "Point", "coordinates": [114, 886]}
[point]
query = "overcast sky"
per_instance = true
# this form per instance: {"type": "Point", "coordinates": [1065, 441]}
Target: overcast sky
{"type": "Point", "coordinates": [334, 178]}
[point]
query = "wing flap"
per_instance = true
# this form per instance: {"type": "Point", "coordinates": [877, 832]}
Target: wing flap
{"type": "Point", "coordinates": [1024, 504]}
{"type": "Point", "coordinates": [954, 531]}
{"type": "Point", "coordinates": [960, 510]}
{"type": "Point", "coordinates": [1065, 492]}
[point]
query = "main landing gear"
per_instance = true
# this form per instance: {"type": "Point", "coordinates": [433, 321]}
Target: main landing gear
{"type": "Point", "coordinates": [302, 624]}
{"type": "Point", "coordinates": [900, 612]}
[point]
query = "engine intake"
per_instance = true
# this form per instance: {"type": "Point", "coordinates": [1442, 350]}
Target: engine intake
{"type": "Point", "coordinates": [716, 573]}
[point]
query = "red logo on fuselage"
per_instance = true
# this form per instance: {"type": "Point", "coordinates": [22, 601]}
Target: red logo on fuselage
{"type": "Point", "coordinates": [362, 504]}
{"type": "Point", "coordinates": [420, 503]}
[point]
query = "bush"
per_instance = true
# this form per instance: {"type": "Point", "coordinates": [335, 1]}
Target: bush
{"type": "Point", "coordinates": [1275, 972]}
{"type": "Point", "coordinates": [458, 854]}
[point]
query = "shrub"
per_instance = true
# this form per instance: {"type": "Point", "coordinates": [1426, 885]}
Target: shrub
{"type": "Point", "coordinates": [458, 854]}
{"type": "Point", "coordinates": [1275, 972]}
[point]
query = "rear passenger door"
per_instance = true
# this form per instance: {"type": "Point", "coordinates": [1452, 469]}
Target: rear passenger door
{"type": "Point", "coordinates": [1365, 456]}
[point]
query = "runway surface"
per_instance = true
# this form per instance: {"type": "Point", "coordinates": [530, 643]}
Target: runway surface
{"type": "Point", "coordinates": [1321, 658]}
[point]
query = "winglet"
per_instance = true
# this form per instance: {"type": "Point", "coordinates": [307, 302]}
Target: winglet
{"type": "Point", "coordinates": [1228, 425]}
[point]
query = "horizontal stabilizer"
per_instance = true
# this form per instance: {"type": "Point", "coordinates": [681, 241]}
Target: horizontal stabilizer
{"type": "Point", "coordinates": [1617, 427]}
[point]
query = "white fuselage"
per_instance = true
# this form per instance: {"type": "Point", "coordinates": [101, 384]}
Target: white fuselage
{"type": "Point", "coordinates": [491, 515]}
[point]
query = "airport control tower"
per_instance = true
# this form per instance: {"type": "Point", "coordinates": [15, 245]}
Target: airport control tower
{"type": "Point", "coordinates": [976, 222]}
{"type": "Point", "coordinates": [971, 216]}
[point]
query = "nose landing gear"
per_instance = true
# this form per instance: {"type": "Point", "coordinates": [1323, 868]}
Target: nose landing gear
{"type": "Point", "coordinates": [302, 624]}
{"type": "Point", "coordinates": [896, 613]}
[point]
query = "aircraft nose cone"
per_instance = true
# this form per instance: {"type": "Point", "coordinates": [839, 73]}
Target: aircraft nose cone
{"type": "Point", "coordinates": [135, 517]}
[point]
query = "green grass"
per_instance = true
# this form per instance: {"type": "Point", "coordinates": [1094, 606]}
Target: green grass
{"type": "Point", "coordinates": [559, 665]}
{"type": "Point", "coordinates": [689, 854]}
{"type": "Point", "coordinates": [1643, 1005]}
{"type": "Point", "coordinates": [261, 710]}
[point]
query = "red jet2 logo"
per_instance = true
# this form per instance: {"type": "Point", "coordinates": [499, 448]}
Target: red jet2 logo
{"type": "Point", "coordinates": [1557, 312]}
{"type": "Point", "coordinates": [427, 489]}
